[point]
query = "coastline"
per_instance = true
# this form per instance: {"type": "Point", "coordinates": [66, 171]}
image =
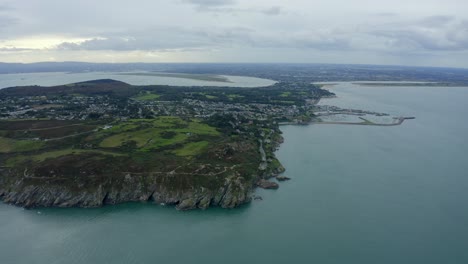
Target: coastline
{"type": "Point", "coordinates": [331, 110]}
{"type": "Point", "coordinates": [364, 123]}
{"type": "Point", "coordinates": [195, 188]}
{"type": "Point", "coordinates": [198, 77]}
{"type": "Point", "coordinates": [19, 188]}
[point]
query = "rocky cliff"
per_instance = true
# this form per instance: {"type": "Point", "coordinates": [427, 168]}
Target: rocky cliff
{"type": "Point", "coordinates": [29, 192]}
{"type": "Point", "coordinates": [76, 181]}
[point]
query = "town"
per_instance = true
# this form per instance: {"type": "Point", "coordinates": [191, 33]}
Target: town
{"type": "Point", "coordinates": [281, 102]}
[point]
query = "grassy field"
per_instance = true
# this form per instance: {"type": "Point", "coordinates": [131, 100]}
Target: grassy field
{"type": "Point", "coordinates": [234, 96]}
{"type": "Point", "coordinates": [152, 134]}
{"type": "Point", "coordinates": [43, 129]}
{"type": "Point", "coordinates": [34, 124]}
{"type": "Point", "coordinates": [8, 145]}
{"type": "Point", "coordinates": [208, 96]}
{"type": "Point", "coordinates": [150, 138]}
{"type": "Point", "coordinates": [284, 102]}
{"type": "Point", "coordinates": [55, 154]}
{"type": "Point", "coordinates": [192, 148]}
{"type": "Point", "coordinates": [168, 135]}
{"type": "Point", "coordinates": [147, 96]}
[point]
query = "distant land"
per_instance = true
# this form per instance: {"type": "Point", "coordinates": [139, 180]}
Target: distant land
{"type": "Point", "coordinates": [201, 77]}
{"type": "Point", "coordinates": [413, 84]}
{"type": "Point", "coordinates": [277, 72]}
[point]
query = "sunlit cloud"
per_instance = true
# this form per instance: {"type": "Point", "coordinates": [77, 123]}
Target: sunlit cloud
{"type": "Point", "coordinates": [38, 42]}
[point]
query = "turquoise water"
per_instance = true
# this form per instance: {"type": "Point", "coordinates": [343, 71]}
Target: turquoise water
{"type": "Point", "coordinates": [358, 194]}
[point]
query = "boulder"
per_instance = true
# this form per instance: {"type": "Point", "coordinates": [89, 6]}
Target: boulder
{"type": "Point", "coordinates": [265, 184]}
{"type": "Point", "coordinates": [257, 197]}
{"type": "Point", "coordinates": [187, 204]}
{"type": "Point", "coordinates": [282, 178]}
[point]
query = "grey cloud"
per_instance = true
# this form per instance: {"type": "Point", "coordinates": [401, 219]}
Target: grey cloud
{"type": "Point", "coordinates": [216, 9]}
{"type": "Point", "coordinates": [405, 39]}
{"type": "Point", "coordinates": [436, 33]}
{"type": "Point", "coordinates": [129, 44]}
{"type": "Point", "coordinates": [7, 21]}
{"type": "Point", "coordinates": [330, 43]}
{"type": "Point", "coordinates": [459, 35]}
{"type": "Point", "coordinates": [273, 11]}
{"type": "Point", "coordinates": [386, 14]}
{"type": "Point", "coordinates": [6, 18]}
{"type": "Point", "coordinates": [4, 7]}
{"type": "Point", "coordinates": [210, 3]}
{"type": "Point", "coordinates": [422, 40]}
{"type": "Point", "coordinates": [295, 27]}
{"type": "Point", "coordinates": [163, 39]}
{"type": "Point", "coordinates": [317, 40]}
{"type": "Point", "coordinates": [112, 43]}
{"type": "Point", "coordinates": [14, 49]}
{"type": "Point", "coordinates": [232, 35]}
{"type": "Point", "coordinates": [429, 34]}
{"type": "Point", "coordinates": [436, 21]}
{"type": "Point", "coordinates": [204, 38]}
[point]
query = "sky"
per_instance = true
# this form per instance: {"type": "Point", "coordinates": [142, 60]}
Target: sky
{"type": "Point", "coordinates": [397, 32]}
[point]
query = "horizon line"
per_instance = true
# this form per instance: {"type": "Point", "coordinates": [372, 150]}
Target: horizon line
{"type": "Point", "coordinates": [269, 63]}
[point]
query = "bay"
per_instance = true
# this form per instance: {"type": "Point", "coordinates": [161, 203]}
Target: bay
{"type": "Point", "coordinates": [358, 194]}
{"type": "Point", "coordinates": [61, 78]}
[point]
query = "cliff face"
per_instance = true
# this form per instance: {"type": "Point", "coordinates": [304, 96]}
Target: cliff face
{"type": "Point", "coordinates": [28, 192]}
{"type": "Point", "coordinates": [75, 181]}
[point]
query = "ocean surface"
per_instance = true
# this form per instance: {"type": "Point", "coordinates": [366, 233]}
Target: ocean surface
{"type": "Point", "coordinates": [358, 194]}
{"type": "Point", "coordinates": [60, 78]}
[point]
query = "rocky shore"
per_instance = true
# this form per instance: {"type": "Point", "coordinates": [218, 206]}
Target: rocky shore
{"type": "Point", "coordinates": [29, 194]}
{"type": "Point", "coordinates": [27, 189]}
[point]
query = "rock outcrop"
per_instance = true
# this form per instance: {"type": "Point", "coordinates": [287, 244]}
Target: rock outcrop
{"type": "Point", "coordinates": [266, 184]}
{"type": "Point", "coordinates": [282, 178]}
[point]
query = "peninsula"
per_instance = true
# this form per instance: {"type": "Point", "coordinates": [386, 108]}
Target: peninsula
{"type": "Point", "coordinates": [106, 142]}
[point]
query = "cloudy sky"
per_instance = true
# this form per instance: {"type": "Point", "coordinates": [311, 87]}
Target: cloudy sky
{"type": "Point", "coordinates": [404, 32]}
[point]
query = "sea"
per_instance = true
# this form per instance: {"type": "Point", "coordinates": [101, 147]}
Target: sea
{"type": "Point", "coordinates": [357, 194]}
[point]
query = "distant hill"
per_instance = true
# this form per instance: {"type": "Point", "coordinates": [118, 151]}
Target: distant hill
{"type": "Point", "coordinates": [279, 71]}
